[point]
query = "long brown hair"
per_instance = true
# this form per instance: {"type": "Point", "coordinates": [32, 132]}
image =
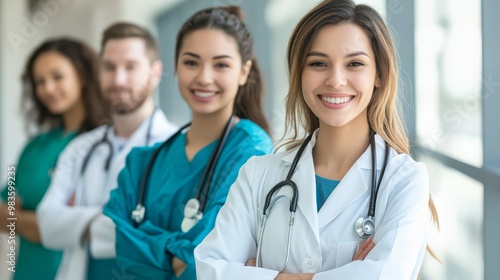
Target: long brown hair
{"type": "Point", "coordinates": [248, 103]}
{"type": "Point", "coordinates": [85, 62]}
{"type": "Point", "coordinates": [383, 111]}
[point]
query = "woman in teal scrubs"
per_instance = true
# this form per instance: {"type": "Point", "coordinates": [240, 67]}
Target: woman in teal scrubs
{"type": "Point", "coordinates": [217, 75]}
{"type": "Point", "coordinates": [60, 86]}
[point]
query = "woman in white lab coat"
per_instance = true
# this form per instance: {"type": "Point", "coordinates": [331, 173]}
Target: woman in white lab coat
{"type": "Point", "coordinates": [343, 86]}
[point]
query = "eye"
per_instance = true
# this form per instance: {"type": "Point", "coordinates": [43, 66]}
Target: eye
{"type": "Point", "coordinates": [58, 77]}
{"type": "Point", "coordinates": [108, 67]}
{"type": "Point", "coordinates": [317, 64]}
{"type": "Point", "coordinates": [190, 63]}
{"type": "Point", "coordinates": [221, 65]}
{"type": "Point", "coordinates": [355, 64]}
{"type": "Point", "coordinates": [131, 67]}
{"type": "Point", "coordinates": [39, 82]}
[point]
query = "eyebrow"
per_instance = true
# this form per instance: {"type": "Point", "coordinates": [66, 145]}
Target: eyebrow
{"type": "Point", "coordinates": [349, 55]}
{"type": "Point", "coordinates": [129, 61]}
{"type": "Point", "coordinates": [215, 57]}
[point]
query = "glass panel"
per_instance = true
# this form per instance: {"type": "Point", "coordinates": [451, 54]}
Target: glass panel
{"type": "Point", "coordinates": [459, 243]}
{"type": "Point", "coordinates": [449, 78]}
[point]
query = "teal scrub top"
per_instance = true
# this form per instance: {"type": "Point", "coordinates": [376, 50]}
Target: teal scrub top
{"type": "Point", "coordinates": [146, 252]}
{"type": "Point", "coordinates": [33, 172]}
{"type": "Point", "coordinates": [324, 187]}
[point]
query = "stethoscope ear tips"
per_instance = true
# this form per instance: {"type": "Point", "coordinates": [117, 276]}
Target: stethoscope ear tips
{"type": "Point", "coordinates": [364, 227]}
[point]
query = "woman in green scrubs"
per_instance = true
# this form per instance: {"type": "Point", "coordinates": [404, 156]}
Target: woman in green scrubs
{"type": "Point", "coordinates": [60, 86]}
{"type": "Point", "coordinates": [218, 76]}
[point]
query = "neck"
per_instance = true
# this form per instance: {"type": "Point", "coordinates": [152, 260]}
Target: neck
{"type": "Point", "coordinates": [204, 130]}
{"type": "Point", "coordinates": [207, 128]}
{"type": "Point", "coordinates": [73, 118]}
{"type": "Point", "coordinates": [125, 125]}
{"type": "Point", "coordinates": [338, 148]}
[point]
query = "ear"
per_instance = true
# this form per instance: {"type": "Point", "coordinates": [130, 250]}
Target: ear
{"type": "Point", "coordinates": [245, 71]}
{"type": "Point", "coordinates": [377, 82]}
{"type": "Point", "coordinates": [156, 72]}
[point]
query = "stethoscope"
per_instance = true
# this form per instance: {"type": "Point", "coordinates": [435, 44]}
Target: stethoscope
{"type": "Point", "coordinates": [193, 211]}
{"type": "Point", "coordinates": [105, 140]}
{"type": "Point", "coordinates": [364, 227]}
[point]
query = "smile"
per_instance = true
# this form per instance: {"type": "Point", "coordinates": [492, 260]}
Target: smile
{"type": "Point", "coordinates": [337, 100]}
{"type": "Point", "coordinates": [204, 94]}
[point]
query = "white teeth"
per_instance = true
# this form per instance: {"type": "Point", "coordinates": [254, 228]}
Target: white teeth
{"type": "Point", "coordinates": [336, 100]}
{"type": "Point", "coordinates": [204, 94]}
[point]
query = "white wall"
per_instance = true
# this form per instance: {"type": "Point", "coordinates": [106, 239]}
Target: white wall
{"type": "Point", "coordinates": [22, 32]}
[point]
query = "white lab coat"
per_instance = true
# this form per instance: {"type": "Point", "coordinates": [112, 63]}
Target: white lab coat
{"type": "Point", "coordinates": [62, 226]}
{"type": "Point", "coordinates": [323, 242]}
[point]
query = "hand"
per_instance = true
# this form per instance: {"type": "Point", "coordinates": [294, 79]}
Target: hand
{"type": "Point", "coordinates": [178, 266]}
{"type": "Point", "coordinates": [300, 276]}
{"type": "Point", "coordinates": [364, 249]}
{"type": "Point", "coordinates": [4, 213]}
{"type": "Point", "coordinates": [251, 262]}
{"type": "Point", "coordinates": [71, 201]}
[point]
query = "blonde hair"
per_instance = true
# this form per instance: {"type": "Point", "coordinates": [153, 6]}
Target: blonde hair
{"type": "Point", "coordinates": [383, 112]}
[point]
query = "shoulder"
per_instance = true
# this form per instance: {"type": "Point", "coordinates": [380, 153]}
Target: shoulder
{"type": "Point", "coordinates": [270, 162]}
{"type": "Point", "coordinates": [162, 127]}
{"type": "Point", "coordinates": [88, 138]}
{"type": "Point", "coordinates": [81, 144]}
{"type": "Point", "coordinates": [248, 135]}
{"type": "Point", "coordinates": [140, 155]}
{"type": "Point", "coordinates": [405, 175]}
{"type": "Point", "coordinates": [44, 136]}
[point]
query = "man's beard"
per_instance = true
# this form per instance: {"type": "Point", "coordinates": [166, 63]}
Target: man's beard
{"type": "Point", "coordinates": [124, 107]}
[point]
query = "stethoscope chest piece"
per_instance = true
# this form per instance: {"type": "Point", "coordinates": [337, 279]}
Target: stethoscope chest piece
{"type": "Point", "coordinates": [364, 227]}
{"type": "Point", "coordinates": [138, 214]}
{"type": "Point", "coordinates": [192, 214]}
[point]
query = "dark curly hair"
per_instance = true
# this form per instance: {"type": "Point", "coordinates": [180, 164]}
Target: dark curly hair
{"type": "Point", "coordinates": [85, 62]}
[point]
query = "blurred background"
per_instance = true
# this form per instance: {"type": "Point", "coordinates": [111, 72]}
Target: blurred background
{"type": "Point", "coordinates": [449, 89]}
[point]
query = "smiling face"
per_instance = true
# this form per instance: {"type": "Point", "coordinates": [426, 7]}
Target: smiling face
{"type": "Point", "coordinates": [58, 85]}
{"type": "Point", "coordinates": [210, 71]}
{"type": "Point", "coordinates": [339, 75]}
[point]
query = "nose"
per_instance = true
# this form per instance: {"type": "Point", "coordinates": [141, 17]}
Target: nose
{"type": "Point", "coordinates": [48, 86]}
{"type": "Point", "coordinates": [336, 77]}
{"type": "Point", "coordinates": [205, 76]}
{"type": "Point", "coordinates": [120, 77]}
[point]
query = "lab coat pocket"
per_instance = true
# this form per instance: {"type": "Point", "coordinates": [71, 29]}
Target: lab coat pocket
{"type": "Point", "coordinates": [345, 252]}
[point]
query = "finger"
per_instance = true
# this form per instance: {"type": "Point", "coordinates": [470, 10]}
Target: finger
{"type": "Point", "coordinates": [361, 248]}
{"type": "Point", "coordinates": [250, 262]}
{"type": "Point", "coordinates": [366, 251]}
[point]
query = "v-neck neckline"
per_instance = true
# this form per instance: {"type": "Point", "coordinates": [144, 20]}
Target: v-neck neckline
{"type": "Point", "coordinates": [198, 154]}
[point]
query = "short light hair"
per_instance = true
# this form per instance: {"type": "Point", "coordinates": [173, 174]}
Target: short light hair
{"type": "Point", "coordinates": [123, 30]}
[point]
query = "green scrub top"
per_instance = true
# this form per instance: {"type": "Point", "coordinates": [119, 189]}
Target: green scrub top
{"type": "Point", "coordinates": [33, 171]}
{"type": "Point", "coordinates": [146, 251]}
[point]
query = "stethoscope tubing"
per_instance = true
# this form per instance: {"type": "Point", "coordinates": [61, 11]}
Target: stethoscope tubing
{"type": "Point", "coordinates": [293, 202]}
{"type": "Point", "coordinates": [138, 214]}
{"type": "Point", "coordinates": [105, 140]}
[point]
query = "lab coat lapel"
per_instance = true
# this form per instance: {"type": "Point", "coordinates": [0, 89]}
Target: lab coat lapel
{"type": "Point", "coordinates": [350, 188]}
{"type": "Point", "coordinates": [137, 139]}
{"type": "Point", "coordinates": [354, 184]}
{"type": "Point", "coordinates": [305, 181]}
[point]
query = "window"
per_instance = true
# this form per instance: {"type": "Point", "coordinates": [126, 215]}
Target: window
{"type": "Point", "coordinates": [459, 243]}
{"type": "Point", "coordinates": [448, 78]}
